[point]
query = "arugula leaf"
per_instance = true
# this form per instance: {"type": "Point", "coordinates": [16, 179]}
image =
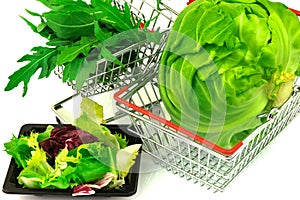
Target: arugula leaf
{"type": "Point", "coordinates": [71, 69]}
{"type": "Point", "coordinates": [85, 70]}
{"type": "Point", "coordinates": [113, 16]}
{"type": "Point", "coordinates": [78, 34]}
{"type": "Point", "coordinates": [97, 3]}
{"type": "Point", "coordinates": [109, 56]}
{"type": "Point", "coordinates": [32, 26]}
{"type": "Point", "coordinates": [154, 36]}
{"type": "Point", "coordinates": [99, 33]}
{"type": "Point", "coordinates": [33, 13]}
{"type": "Point", "coordinates": [56, 3]}
{"type": "Point", "coordinates": [71, 25]}
{"type": "Point", "coordinates": [127, 13]}
{"type": "Point", "coordinates": [41, 27]}
{"type": "Point", "coordinates": [46, 71]}
{"type": "Point", "coordinates": [46, 3]}
{"type": "Point", "coordinates": [75, 8]}
{"type": "Point", "coordinates": [83, 46]}
{"type": "Point", "coordinates": [41, 58]}
{"type": "Point", "coordinates": [57, 42]}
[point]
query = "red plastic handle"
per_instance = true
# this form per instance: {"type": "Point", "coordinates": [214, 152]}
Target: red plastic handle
{"type": "Point", "coordinates": [297, 12]}
{"type": "Point", "coordinates": [168, 123]}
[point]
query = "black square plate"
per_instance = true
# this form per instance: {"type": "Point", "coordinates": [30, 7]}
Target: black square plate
{"type": "Point", "coordinates": [11, 185]}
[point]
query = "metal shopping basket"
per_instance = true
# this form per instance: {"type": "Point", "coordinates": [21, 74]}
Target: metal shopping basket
{"type": "Point", "coordinates": [181, 152]}
{"type": "Point", "coordinates": [185, 153]}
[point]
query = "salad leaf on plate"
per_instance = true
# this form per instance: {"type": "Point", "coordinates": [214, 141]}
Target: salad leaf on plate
{"type": "Point", "coordinates": [84, 157]}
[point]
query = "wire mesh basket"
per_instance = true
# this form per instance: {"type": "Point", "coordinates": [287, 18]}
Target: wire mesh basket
{"type": "Point", "coordinates": [185, 153]}
{"type": "Point", "coordinates": [179, 150]}
{"type": "Point", "coordinates": [135, 58]}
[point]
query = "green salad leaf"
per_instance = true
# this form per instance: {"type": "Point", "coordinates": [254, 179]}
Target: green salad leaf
{"type": "Point", "coordinates": [100, 131]}
{"type": "Point", "coordinates": [93, 163]}
{"type": "Point", "coordinates": [126, 159]}
{"type": "Point", "coordinates": [93, 110]}
{"type": "Point", "coordinates": [37, 171]}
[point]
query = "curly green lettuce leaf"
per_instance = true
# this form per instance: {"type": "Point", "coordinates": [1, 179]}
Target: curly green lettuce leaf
{"type": "Point", "coordinates": [87, 163]}
{"type": "Point", "coordinates": [126, 159]}
{"type": "Point", "coordinates": [37, 170]}
{"type": "Point", "coordinates": [20, 148]}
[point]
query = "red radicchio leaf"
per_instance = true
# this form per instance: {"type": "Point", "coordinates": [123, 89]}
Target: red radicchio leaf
{"type": "Point", "coordinates": [67, 136]}
{"type": "Point", "coordinates": [83, 190]}
{"type": "Point", "coordinates": [87, 189]}
{"type": "Point", "coordinates": [106, 180]}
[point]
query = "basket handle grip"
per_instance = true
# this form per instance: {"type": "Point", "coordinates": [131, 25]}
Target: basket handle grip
{"type": "Point", "coordinates": [297, 12]}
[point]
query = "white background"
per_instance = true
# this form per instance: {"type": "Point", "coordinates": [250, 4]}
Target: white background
{"type": "Point", "coordinates": [274, 174]}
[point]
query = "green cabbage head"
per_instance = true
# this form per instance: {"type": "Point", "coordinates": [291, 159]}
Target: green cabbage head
{"type": "Point", "coordinates": [226, 62]}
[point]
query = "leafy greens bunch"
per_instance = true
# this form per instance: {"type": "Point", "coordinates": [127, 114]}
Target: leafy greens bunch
{"type": "Point", "coordinates": [85, 157]}
{"type": "Point", "coordinates": [225, 63]}
{"type": "Point", "coordinates": [77, 34]}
